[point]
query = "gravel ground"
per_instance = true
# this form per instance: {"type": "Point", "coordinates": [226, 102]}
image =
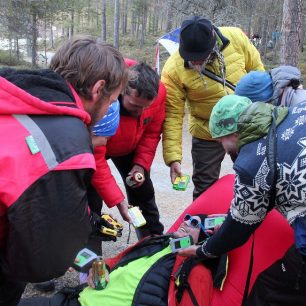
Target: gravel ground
{"type": "Point", "coordinates": [170, 202]}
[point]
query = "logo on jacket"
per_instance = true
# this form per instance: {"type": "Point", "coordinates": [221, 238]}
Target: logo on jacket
{"type": "Point", "coordinates": [32, 144]}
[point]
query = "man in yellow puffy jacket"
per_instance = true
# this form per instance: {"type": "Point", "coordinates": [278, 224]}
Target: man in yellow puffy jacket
{"type": "Point", "coordinates": [209, 62]}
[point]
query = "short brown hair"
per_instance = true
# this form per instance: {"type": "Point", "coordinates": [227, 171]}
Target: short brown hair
{"type": "Point", "coordinates": [83, 61]}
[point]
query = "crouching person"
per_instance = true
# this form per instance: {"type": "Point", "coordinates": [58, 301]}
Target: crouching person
{"type": "Point", "coordinates": [270, 145]}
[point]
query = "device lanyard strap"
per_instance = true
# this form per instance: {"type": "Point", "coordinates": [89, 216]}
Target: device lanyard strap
{"type": "Point", "coordinates": [218, 79]}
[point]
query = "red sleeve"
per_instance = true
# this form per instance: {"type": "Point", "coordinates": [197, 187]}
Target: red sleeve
{"type": "Point", "coordinates": [146, 148]}
{"type": "Point", "coordinates": [103, 180]}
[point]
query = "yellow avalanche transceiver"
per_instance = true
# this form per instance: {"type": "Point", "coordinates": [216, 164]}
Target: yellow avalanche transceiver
{"type": "Point", "coordinates": [137, 218]}
{"type": "Point", "coordinates": [181, 182]}
{"type": "Point", "coordinates": [111, 222]}
{"type": "Point", "coordinates": [110, 232]}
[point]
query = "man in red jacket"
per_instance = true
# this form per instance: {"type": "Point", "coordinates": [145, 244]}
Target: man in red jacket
{"type": "Point", "coordinates": [132, 148]}
{"type": "Point", "coordinates": [47, 161]}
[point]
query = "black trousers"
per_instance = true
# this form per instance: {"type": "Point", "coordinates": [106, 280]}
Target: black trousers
{"type": "Point", "coordinates": [143, 196]}
{"type": "Point", "coordinates": [10, 291]}
{"type": "Point", "coordinates": [282, 284]}
{"type": "Point", "coordinates": [206, 158]}
{"type": "Point", "coordinates": [94, 200]}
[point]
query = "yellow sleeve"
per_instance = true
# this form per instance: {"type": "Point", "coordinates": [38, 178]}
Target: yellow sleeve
{"type": "Point", "coordinates": [175, 110]}
{"type": "Point", "coordinates": [251, 54]}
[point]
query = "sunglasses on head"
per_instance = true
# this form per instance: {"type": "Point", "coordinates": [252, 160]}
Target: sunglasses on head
{"type": "Point", "coordinates": [194, 222]}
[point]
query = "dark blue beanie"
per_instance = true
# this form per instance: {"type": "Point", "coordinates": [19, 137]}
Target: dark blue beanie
{"type": "Point", "coordinates": [256, 85]}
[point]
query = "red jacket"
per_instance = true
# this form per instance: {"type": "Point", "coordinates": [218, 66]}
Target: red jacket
{"type": "Point", "coordinates": [46, 164]}
{"type": "Point", "coordinates": [133, 134]}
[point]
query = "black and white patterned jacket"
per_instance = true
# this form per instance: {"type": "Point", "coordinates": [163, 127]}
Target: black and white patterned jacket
{"type": "Point", "coordinates": [252, 184]}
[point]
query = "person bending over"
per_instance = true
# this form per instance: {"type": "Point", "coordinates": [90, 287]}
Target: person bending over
{"type": "Point", "coordinates": [133, 147]}
{"type": "Point", "coordinates": [47, 160]}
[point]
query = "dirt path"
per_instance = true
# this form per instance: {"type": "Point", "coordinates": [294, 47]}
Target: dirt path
{"type": "Point", "coordinates": [170, 202]}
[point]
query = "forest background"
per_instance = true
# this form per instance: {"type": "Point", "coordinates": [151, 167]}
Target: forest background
{"type": "Point", "coordinates": [32, 28]}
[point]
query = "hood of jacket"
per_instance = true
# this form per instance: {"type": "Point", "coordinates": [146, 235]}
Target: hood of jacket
{"type": "Point", "coordinates": [255, 121]}
{"type": "Point", "coordinates": [282, 77]}
{"type": "Point", "coordinates": [38, 92]}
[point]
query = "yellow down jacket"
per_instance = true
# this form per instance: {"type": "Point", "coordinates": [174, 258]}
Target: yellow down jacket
{"type": "Point", "coordinates": [202, 93]}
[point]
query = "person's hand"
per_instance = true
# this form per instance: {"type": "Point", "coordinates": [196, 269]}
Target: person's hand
{"type": "Point", "coordinates": [90, 281]}
{"type": "Point", "coordinates": [175, 170]}
{"type": "Point", "coordinates": [137, 168]}
{"type": "Point", "coordinates": [188, 252]}
{"type": "Point", "coordinates": [123, 210]}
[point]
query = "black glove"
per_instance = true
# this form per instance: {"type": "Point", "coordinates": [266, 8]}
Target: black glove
{"type": "Point", "coordinates": [97, 224]}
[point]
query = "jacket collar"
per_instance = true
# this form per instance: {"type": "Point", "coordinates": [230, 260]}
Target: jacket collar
{"type": "Point", "coordinates": [220, 38]}
{"type": "Point", "coordinates": [224, 40]}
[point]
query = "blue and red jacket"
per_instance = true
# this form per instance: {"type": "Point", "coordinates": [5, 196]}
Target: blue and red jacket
{"type": "Point", "coordinates": [46, 165]}
{"type": "Point", "coordinates": [139, 135]}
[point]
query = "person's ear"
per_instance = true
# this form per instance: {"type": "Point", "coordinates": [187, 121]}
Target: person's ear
{"type": "Point", "coordinates": [97, 90]}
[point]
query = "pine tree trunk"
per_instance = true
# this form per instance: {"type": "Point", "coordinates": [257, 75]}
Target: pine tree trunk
{"type": "Point", "coordinates": [264, 37]}
{"type": "Point", "coordinates": [133, 24]}
{"type": "Point", "coordinates": [72, 24]}
{"type": "Point", "coordinates": [34, 38]}
{"type": "Point", "coordinates": [291, 32]}
{"type": "Point", "coordinates": [51, 34]}
{"type": "Point", "coordinates": [103, 20]}
{"type": "Point", "coordinates": [170, 15]}
{"type": "Point", "coordinates": [125, 17]}
{"type": "Point", "coordinates": [143, 29]}
{"type": "Point", "coordinates": [116, 23]}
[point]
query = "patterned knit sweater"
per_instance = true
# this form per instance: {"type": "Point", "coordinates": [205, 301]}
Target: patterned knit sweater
{"type": "Point", "coordinates": [252, 183]}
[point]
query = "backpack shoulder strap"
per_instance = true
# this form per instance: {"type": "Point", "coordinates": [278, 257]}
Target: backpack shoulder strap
{"type": "Point", "coordinates": [182, 276]}
{"type": "Point", "coordinates": [272, 163]}
{"type": "Point", "coordinates": [271, 158]}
